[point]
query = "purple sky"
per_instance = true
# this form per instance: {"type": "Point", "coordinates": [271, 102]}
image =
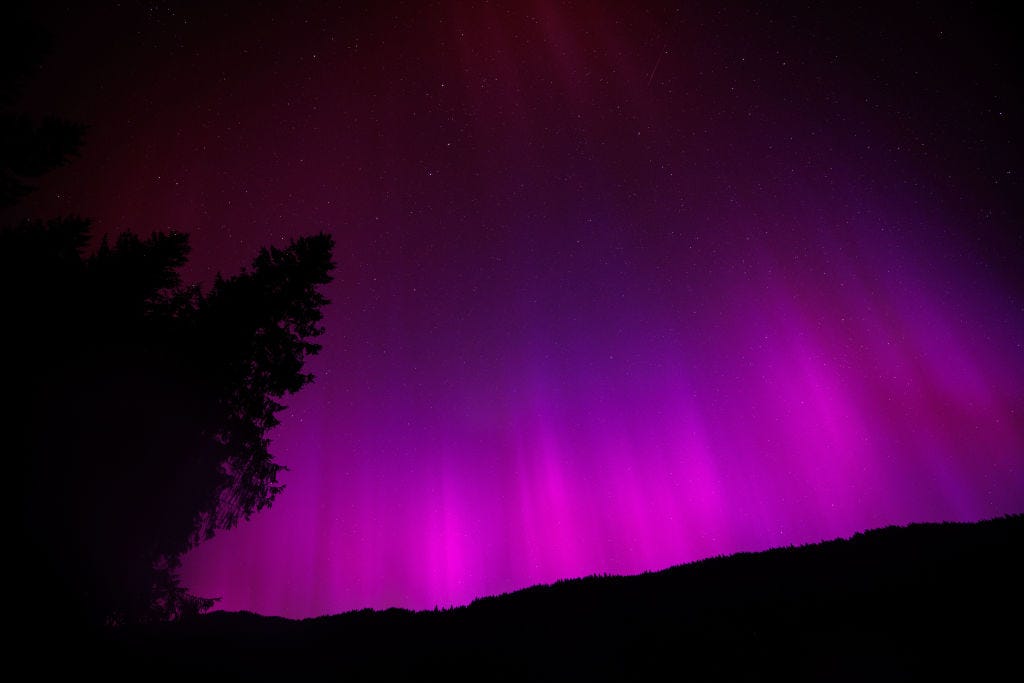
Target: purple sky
{"type": "Point", "coordinates": [620, 286]}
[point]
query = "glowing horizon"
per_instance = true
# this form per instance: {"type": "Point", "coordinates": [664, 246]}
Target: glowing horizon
{"type": "Point", "coordinates": [887, 407]}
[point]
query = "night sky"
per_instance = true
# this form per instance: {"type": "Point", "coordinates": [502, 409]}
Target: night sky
{"type": "Point", "coordinates": [620, 285]}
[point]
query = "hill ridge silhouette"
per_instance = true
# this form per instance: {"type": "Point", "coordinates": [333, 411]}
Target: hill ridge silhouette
{"type": "Point", "coordinates": [892, 603]}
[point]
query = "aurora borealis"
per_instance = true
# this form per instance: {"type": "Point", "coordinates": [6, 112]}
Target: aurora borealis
{"type": "Point", "coordinates": [619, 287]}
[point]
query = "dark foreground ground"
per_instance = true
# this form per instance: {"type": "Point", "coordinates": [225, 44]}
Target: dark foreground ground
{"type": "Point", "coordinates": [924, 602]}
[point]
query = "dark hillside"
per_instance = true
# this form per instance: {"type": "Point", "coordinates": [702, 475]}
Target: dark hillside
{"type": "Point", "coordinates": [891, 604]}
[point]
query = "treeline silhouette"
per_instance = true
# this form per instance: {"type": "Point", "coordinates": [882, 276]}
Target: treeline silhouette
{"type": "Point", "coordinates": [920, 602]}
{"type": "Point", "coordinates": [30, 146]}
{"type": "Point", "coordinates": [136, 407]}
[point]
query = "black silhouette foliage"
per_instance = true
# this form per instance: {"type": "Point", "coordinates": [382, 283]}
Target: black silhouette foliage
{"type": "Point", "coordinates": [136, 408]}
{"type": "Point", "coordinates": [29, 146]}
{"type": "Point", "coordinates": [144, 405]}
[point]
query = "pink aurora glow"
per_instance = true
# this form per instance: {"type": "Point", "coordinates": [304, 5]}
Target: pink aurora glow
{"type": "Point", "coordinates": [799, 413]}
{"type": "Point", "coordinates": [620, 285]}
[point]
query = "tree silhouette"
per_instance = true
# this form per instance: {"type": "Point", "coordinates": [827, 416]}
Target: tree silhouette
{"type": "Point", "coordinates": [29, 146]}
{"type": "Point", "coordinates": [143, 406]}
{"type": "Point", "coordinates": [138, 407]}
